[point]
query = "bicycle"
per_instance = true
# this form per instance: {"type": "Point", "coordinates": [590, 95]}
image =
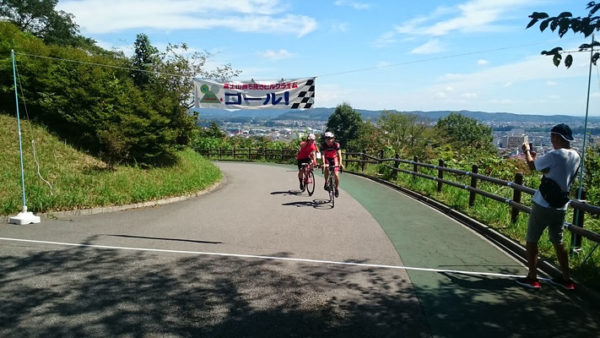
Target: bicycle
{"type": "Point", "coordinates": [331, 183]}
{"type": "Point", "coordinates": [309, 178]}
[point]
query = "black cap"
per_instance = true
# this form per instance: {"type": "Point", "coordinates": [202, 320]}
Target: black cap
{"type": "Point", "coordinates": [563, 130]}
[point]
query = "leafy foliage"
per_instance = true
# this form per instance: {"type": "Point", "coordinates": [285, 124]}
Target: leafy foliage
{"type": "Point", "coordinates": [40, 18]}
{"type": "Point", "coordinates": [97, 108]}
{"type": "Point", "coordinates": [591, 179]}
{"type": "Point", "coordinates": [564, 23]}
{"type": "Point", "coordinates": [344, 123]}
{"type": "Point", "coordinates": [142, 60]}
{"type": "Point", "coordinates": [403, 133]}
{"type": "Point", "coordinates": [465, 133]}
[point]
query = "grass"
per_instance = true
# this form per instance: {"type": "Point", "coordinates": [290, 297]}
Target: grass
{"type": "Point", "coordinates": [82, 181]}
{"type": "Point", "coordinates": [498, 216]}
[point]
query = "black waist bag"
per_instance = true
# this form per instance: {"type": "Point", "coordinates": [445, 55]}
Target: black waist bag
{"type": "Point", "coordinates": [552, 193]}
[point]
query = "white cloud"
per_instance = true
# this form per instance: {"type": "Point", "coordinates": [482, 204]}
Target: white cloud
{"type": "Point", "coordinates": [106, 16]}
{"type": "Point", "coordinates": [482, 62]}
{"type": "Point", "coordinates": [385, 39]}
{"type": "Point", "coordinates": [430, 47]}
{"type": "Point", "coordinates": [340, 27]}
{"type": "Point", "coordinates": [383, 64]}
{"type": "Point", "coordinates": [551, 83]}
{"type": "Point", "coordinates": [277, 54]}
{"type": "Point", "coordinates": [470, 16]}
{"type": "Point", "coordinates": [486, 89]}
{"type": "Point", "coordinates": [354, 4]}
{"type": "Point", "coordinates": [502, 101]}
{"type": "Point", "coordinates": [127, 49]}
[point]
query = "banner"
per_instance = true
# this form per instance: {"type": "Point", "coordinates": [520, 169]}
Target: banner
{"type": "Point", "coordinates": [291, 94]}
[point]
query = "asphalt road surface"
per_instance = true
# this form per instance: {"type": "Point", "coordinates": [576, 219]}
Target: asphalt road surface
{"type": "Point", "coordinates": [258, 258]}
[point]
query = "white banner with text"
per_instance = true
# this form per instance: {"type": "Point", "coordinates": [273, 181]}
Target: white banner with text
{"type": "Point", "coordinates": [288, 94]}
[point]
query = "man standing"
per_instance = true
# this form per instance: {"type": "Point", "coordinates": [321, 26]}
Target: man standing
{"type": "Point", "coordinates": [559, 168]}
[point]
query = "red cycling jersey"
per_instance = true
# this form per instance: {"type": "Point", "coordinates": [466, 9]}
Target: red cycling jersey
{"type": "Point", "coordinates": [330, 151]}
{"type": "Point", "coordinates": [305, 150]}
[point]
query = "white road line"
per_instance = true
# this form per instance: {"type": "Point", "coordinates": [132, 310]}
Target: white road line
{"type": "Point", "coordinates": [288, 259]}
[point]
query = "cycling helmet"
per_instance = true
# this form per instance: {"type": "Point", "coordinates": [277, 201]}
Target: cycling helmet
{"type": "Point", "coordinates": [328, 134]}
{"type": "Point", "coordinates": [311, 136]}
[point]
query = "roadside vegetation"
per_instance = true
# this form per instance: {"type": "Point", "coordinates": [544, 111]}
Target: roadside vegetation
{"type": "Point", "coordinates": [79, 180]}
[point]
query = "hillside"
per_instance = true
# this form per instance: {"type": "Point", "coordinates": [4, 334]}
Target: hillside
{"type": "Point", "coordinates": [82, 181]}
{"type": "Point", "coordinates": [322, 114]}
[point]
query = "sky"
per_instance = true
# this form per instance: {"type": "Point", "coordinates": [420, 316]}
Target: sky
{"type": "Point", "coordinates": [390, 54]}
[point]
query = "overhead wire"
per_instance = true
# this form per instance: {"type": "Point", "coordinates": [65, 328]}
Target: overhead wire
{"type": "Point", "coordinates": [100, 64]}
{"type": "Point", "coordinates": [357, 70]}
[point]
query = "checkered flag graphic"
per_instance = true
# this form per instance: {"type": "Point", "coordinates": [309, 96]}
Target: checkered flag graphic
{"type": "Point", "coordinates": [306, 96]}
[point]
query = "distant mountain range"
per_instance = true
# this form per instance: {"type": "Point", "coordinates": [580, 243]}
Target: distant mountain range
{"type": "Point", "coordinates": [322, 114]}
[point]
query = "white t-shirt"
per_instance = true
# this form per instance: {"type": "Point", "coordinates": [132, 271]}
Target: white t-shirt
{"type": "Point", "coordinates": [559, 165]}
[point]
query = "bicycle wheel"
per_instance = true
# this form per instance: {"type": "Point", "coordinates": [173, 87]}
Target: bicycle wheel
{"type": "Point", "coordinates": [331, 191]}
{"type": "Point", "coordinates": [310, 183]}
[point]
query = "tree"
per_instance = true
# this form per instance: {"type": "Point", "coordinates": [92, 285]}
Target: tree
{"type": "Point", "coordinates": [369, 139]}
{"type": "Point", "coordinates": [465, 133]}
{"type": "Point", "coordinates": [40, 18]}
{"type": "Point", "coordinates": [177, 59]}
{"type": "Point", "coordinates": [143, 60]}
{"type": "Point", "coordinates": [402, 132]}
{"type": "Point", "coordinates": [564, 23]}
{"type": "Point", "coordinates": [344, 123]}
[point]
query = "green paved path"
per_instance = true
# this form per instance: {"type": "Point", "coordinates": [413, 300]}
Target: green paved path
{"type": "Point", "coordinates": [458, 305]}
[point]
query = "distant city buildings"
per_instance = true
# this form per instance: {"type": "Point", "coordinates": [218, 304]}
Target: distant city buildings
{"type": "Point", "coordinates": [507, 136]}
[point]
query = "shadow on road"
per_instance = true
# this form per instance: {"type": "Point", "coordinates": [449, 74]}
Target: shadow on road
{"type": "Point", "coordinates": [164, 239]}
{"type": "Point", "coordinates": [95, 292]}
{"type": "Point", "coordinates": [287, 192]}
{"type": "Point", "coordinates": [317, 204]}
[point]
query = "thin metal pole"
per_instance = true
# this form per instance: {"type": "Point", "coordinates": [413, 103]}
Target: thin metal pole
{"type": "Point", "coordinates": [19, 129]}
{"type": "Point", "coordinates": [587, 106]}
{"type": "Point", "coordinates": [582, 166]}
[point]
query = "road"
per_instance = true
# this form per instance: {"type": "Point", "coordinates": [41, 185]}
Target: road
{"type": "Point", "coordinates": [257, 258]}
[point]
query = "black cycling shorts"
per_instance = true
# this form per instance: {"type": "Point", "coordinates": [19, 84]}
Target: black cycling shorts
{"type": "Point", "coordinates": [304, 160]}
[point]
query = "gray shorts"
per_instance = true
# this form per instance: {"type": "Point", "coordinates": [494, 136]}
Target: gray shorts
{"type": "Point", "coordinates": [540, 218]}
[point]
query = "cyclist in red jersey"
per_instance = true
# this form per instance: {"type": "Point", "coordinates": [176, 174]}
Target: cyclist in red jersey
{"type": "Point", "coordinates": [306, 154]}
{"type": "Point", "coordinates": [332, 156]}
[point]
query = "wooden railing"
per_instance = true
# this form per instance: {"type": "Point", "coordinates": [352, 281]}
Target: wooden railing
{"type": "Point", "coordinates": [251, 154]}
{"type": "Point", "coordinates": [580, 206]}
{"type": "Point", "coordinates": [362, 159]}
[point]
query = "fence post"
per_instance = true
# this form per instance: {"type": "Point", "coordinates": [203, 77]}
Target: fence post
{"type": "Point", "coordinates": [440, 175]}
{"type": "Point", "coordinates": [220, 150]}
{"type": "Point", "coordinates": [473, 194]}
{"type": "Point", "coordinates": [249, 153]}
{"type": "Point", "coordinates": [415, 166]}
{"type": "Point", "coordinates": [363, 161]}
{"type": "Point", "coordinates": [346, 159]}
{"type": "Point", "coordinates": [578, 216]}
{"type": "Point", "coordinates": [514, 215]}
{"type": "Point", "coordinates": [234, 152]}
{"type": "Point", "coordinates": [380, 157]}
{"type": "Point", "coordinates": [396, 164]}
{"type": "Point", "coordinates": [282, 154]}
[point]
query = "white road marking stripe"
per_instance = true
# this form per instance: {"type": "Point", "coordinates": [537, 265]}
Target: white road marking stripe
{"type": "Point", "coordinates": [301, 260]}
